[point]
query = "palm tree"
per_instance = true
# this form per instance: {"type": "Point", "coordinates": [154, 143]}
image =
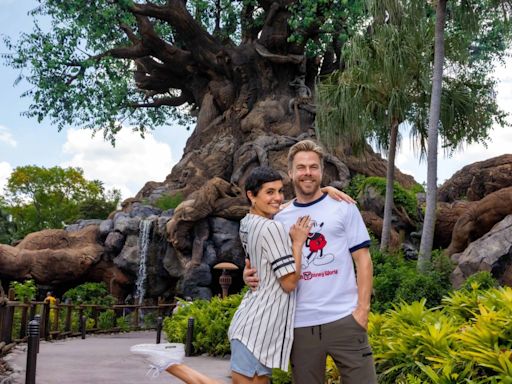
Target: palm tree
{"type": "Point", "coordinates": [386, 81]}
{"type": "Point", "coordinates": [473, 19]}
{"type": "Point", "coordinates": [380, 85]}
{"type": "Point", "coordinates": [427, 236]}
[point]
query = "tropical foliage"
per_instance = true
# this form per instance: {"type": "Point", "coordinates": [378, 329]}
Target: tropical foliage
{"type": "Point", "coordinates": [211, 323]}
{"type": "Point", "coordinates": [466, 337]}
{"type": "Point", "coordinates": [90, 293]}
{"type": "Point", "coordinates": [37, 198]}
{"type": "Point", "coordinates": [386, 80]}
{"type": "Point", "coordinates": [24, 291]}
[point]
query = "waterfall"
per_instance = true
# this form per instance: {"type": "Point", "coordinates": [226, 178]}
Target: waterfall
{"type": "Point", "coordinates": [144, 240]}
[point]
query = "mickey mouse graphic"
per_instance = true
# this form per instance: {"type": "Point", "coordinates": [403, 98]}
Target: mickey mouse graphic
{"type": "Point", "coordinates": [316, 243]}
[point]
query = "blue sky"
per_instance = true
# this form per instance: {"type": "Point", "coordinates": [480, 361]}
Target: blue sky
{"type": "Point", "coordinates": [135, 161]}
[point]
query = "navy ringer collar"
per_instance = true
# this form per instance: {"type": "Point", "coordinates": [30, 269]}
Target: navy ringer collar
{"type": "Point", "coordinates": [297, 204]}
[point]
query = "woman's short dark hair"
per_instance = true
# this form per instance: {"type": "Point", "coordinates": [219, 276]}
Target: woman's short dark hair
{"type": "Point", "coordinates": [260, 176]}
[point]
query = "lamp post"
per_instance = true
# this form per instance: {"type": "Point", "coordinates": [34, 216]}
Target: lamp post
{"type": "Point", "coordinates": [225, 277]}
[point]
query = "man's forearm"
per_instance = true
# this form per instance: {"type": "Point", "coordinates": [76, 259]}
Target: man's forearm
{"type": "Point", "coordinates": [364, 270]}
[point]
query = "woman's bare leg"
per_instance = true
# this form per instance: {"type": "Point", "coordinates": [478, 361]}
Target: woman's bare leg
{"type": "Point", "coordinates": [190, 375]}
{"type": "Point", "coordinates": [241, 379]}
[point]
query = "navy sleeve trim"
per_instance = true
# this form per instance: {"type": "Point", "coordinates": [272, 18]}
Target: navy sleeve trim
{"type": "Point", "coordinates": [364, 244]}
{"type": "Point", "coordinates": [283, 265]}
{"type": "Point", "coordinates": [281, 259]}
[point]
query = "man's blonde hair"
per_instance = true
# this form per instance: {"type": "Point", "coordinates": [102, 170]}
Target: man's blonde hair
{"type": "Point", "coordinates": [305, 146]}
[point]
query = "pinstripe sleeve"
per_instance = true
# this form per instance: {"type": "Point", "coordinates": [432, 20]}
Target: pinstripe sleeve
{"type": "Point", "coordinates": [279, 249]}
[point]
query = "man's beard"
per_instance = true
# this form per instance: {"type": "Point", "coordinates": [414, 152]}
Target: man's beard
{"type": "Point", "coordinates": [310, 191]}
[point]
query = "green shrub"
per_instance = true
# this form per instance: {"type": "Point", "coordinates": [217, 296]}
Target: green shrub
{"type": "Point", "coordinates": [413, 343]}
{"type": "Point", "coordinates": [211, 323]}
{"type": "Point", "coordinates": [106, 319]}
{"type": "Point", "coordinates": [90, 293]}
{"type": "Point", "coordinates": [123, 324]}
{"type": "Point", "coordinates": [25, 291]}
{"type": "Point", "coordinates": [397, 280]}
{"type": "Point", "coordinates": [149, 320]}
{"type": "Point", "coordinates": [166, 202]}
{"type": "Point", "coordinates": [480, 280]}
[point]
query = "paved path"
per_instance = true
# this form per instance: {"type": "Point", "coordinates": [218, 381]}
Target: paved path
{"type": "Point", "coordinates": [103, 359]}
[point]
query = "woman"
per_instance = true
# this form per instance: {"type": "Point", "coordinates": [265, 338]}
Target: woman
{"type": "Point", "coordinates": [261, 332]}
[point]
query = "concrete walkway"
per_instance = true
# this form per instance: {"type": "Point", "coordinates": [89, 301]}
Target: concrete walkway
{"type": "Point", "coordinates": [103, 359]}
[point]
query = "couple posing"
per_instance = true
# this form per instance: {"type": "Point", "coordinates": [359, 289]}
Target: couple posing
{"type": "Point", "coordinates": [305, 300]}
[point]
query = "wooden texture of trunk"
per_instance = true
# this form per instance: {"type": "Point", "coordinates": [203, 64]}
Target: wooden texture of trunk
{"type": "Point", "coordinates": [390, 179]}
{"type": "Point", "coordinates": [427, 237]}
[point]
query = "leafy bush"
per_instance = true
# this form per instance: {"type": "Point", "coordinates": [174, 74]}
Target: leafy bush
{"type": "Point", "coordinates": [106, 319]}
{"type": "Point", "coordinates": [396, 280]}
{"type": "Point", "coordinates": [123, 323]}
{"type": "Point", "coordinates": [211, 323]}
{"type": "Point", "coordinates": [166, 202]}
{"type": "Point", "coordinates": [414, 344]}
{"type": "Point", "coordinates": [25, 291]}
{"type": "Point", "coordinates": [90, 293]}
{"type": "Point", "coordinates": [480, 280]}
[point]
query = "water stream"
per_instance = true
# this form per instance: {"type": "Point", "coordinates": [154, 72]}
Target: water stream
{"type": "Point", "coordinates": [144, 240]}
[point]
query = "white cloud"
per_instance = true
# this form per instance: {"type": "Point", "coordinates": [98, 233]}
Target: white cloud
{"type": "Point", "coordinates": [127, 166]}
{"type": "Point", "coordinates": [5, 172]}
{"type": "Point", "coordinates": [6, 137]}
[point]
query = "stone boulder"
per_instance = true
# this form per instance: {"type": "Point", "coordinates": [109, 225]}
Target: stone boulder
{"type": "Point", "coordinates": [492, 252]}
{"type": "Point", "coordinates": [52, 256]}
{"type": "Point", "coordinates": [479, 218]}
{"type": "Point", "coordinates": [446, 217]}
{"type": "Point", "coordinates": [477, 180]}
{"type": "Point", "coordinates": [374, 224]}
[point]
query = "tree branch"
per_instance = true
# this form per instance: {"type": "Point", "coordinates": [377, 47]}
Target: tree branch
{"type": "Point", "coordinates": [165, 101]}
{"type": "Point", "coordinates": [203, 46]}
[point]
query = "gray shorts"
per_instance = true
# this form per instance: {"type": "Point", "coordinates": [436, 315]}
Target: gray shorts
{"type": "Point", "coordinates": [345, 341]}
{"type": "Point", "coordinates": [244, 362]}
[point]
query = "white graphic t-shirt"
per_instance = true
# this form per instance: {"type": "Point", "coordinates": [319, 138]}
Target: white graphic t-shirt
{"type": "Point", "coordinates": [327, 289]}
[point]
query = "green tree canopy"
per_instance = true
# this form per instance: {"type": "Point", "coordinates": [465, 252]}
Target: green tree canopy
{"type": "Point", "coordinates": [7, 227]}
{"type": "Point", "coordinates": [102, 63]}
{"type": "Point", "coordinates": [39, 198]}
{"type": "Point", "coordinates": [388, 75]}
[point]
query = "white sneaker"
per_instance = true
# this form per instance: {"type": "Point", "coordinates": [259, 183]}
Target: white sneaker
{"type": "Point", "coordinates": [160, 356]}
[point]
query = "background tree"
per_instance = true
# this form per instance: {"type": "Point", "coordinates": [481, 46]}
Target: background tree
{"type": "Point", "coordinates": [472, 17]}
{"type": "Point", "coordinates": [387, 82]}
{"type": "Point", "coordinates": [242, 71]}
{"type": "Point", "coordinates": [7, 227]}
{"type": "Point", "coordinates": [40, 198]}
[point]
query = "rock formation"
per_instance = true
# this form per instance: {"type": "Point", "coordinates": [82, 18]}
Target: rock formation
{"type": "Point", "coordinates": [492, 252]}
{"type": "Point", "coordinates": [479, 218]}
{"type": "Point", "coordinates": [477, 180]}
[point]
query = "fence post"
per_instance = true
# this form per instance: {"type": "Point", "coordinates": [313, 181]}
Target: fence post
{"type": "Point", "coordinates": [69, 309]}
{"type": "Point", "coordinates": [158, 329]}
{"type": "Point", "coordinates": [83, 326]}
{"type": "Point", "coordinates": [37, 318]}
{"type": "Point", "coordinates": [24, 316]}
{"type": "Point", "coordinates": [190, 335]}
{"type": "Point", "coordinates": [33, 344]}
{"type": "Point", "coordinates": [136, 317]}
{"type": "Point", "coordinates": [3, 315]}
{"type": "Point", "coordinates": [8, 318]}
{"type": "Point", "coordinates": [95, 316]}
{"type": "Point", "coordinates": [46, 321]}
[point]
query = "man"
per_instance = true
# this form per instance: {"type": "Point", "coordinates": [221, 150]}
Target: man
{"type": "Point", "coordinates": [332, 304]}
